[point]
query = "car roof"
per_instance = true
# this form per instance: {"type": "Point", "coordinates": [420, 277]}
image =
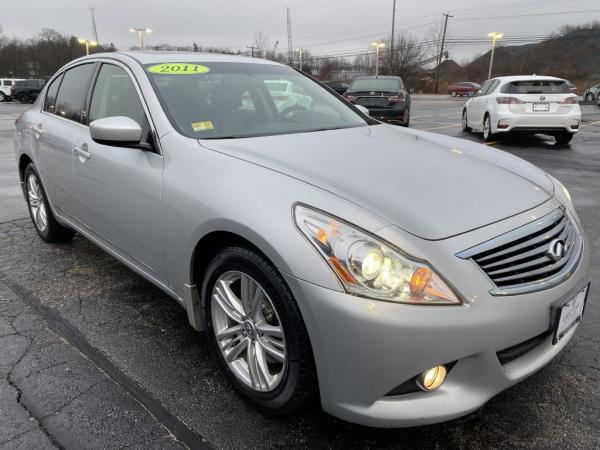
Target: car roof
{"type": "Point", "coordinates": [527, 78]}
{"type": "Point", "coordinates": [157, 57]}
{"type": "Point", "coordinates": [373, 77]}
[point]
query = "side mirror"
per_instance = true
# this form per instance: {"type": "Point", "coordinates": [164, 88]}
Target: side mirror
{"type": "Point", "coordinates": [362, 109]}
{"type": "Point", "coordinates": [117, 131]}
{"type": "Point", "coordinates": [477, 93]}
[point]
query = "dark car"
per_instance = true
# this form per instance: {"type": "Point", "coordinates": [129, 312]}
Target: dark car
{"type": "Point", "coordinates": [26, 91]}
{"type": "Point", "coordinates": [463, 88]}
{"type": "Point", "coordinates": [338, 86]}
{"type": "Point", "coordinates": [386, 98]}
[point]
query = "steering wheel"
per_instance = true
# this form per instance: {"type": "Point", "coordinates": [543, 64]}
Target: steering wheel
{"type": "Point", "coordinates": [290, 109]}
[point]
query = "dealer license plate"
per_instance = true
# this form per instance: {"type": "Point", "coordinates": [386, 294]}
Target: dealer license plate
{"type": "Point", "coordinates": [541, 107]}
{"type": "Point", "coordinates": [569, 314]}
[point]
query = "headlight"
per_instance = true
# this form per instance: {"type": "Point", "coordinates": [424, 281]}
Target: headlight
{"type": "Point", "coordinates": [369, 267]}
{"type": "Point", "coordinates": [563, 196]}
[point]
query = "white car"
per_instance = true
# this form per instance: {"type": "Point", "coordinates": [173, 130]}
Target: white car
{"type": "Point", "coordinates": [529, 104]}
{"type": "Point", "coordinates": [288, 96]}
{"type": "Point", "coordinates": [5, 85]}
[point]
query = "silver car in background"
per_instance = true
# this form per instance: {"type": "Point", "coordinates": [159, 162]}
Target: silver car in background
{"type": "Point", "coordinates": [403, 277]}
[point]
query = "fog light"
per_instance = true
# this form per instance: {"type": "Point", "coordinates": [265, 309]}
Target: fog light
{"type": "Point", "coordinates": [503, 124]}
{"type": "Point", "coordinates": [432, 378]}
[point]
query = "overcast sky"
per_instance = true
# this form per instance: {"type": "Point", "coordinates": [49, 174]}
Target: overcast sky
{"type": "Point", "coordinates": [320, 26]}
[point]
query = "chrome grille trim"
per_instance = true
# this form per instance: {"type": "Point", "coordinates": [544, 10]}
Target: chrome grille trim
{"type": "Point", "coordinates": [516, 262]}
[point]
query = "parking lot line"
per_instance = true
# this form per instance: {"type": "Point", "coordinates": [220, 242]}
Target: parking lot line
{"type": "Point", "coordinates": [454, 125]}
{"type": "Point", "coordinates": [591, 124]}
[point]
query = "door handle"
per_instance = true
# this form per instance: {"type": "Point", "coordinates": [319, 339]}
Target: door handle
{"type": "Point", "coordinates": [38, 129]}
{"type": "Point", "coordinates": [82, 152]}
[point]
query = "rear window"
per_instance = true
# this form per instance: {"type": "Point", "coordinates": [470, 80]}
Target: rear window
{"type": "Point", "coordinates": [376, 84]}
{"type": "Point", "coordinates": [536, 87]}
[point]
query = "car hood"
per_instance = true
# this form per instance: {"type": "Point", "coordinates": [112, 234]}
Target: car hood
{"type": "Point", "coordinates": [430, 185]}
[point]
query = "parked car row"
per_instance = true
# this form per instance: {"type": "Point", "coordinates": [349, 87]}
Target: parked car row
{"type": "Point", "coordinates": [26, 91]}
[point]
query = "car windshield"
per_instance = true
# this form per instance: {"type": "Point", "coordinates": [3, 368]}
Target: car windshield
{"type": "Point", "coordinates": [536, 87]}
{"type": "Point", "coordinates": [375, 84]}
{"type": "Point", "coordinates": [218, 100]}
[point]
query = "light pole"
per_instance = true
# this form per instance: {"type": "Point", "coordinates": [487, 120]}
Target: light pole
{"type": "Point", "coordinates": [378, 46]}
{"type": "Point", "coordinates": [392, 38]}
{"type": "Point", "coordinates": [301, 52]}
{"type": "Point", "coordinates": [88, 44]}
{"type": "Point", "coordinates": [140, 32]}
{"type": "Point", "coordinates": [494, 36]}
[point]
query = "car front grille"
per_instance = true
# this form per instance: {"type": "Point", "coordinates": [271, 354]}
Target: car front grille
{"type": "Point", "coordinates": [529, 258]}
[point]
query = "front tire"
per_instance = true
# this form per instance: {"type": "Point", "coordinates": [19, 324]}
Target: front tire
{"type": "Point", "coordinates": [2, 96]}
{"type": "Point", "coordinates": [24, 98]}
{"type": "Point", "coordinates": [39, 209]}
{"type": "Point", "coordinates": [589, 97]}
{"type": "Point", "coordinates": [453, 94]}
{"type": "Point", "coordinates": [563, 138]}
{"type": "Point", "coordinates": [257, 331]}
{"type": "Point", "coordinates": [487, 129]}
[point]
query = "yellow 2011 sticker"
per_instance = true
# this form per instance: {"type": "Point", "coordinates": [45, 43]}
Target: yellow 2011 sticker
{"type": "Point", "coordinates": [203, 126]}
{"type": "Point", "coordinates": [178, 68]}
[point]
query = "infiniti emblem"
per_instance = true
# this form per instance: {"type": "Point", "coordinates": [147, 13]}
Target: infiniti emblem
{"type": "Point", "coordinates": [556, 249]}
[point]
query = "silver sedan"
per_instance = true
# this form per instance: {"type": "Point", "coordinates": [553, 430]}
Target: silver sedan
{"type": "Point", "coordinates": [402, 277]}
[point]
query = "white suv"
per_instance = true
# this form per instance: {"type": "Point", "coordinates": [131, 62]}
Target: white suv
{"type": "Point", "coordinates": [5, 84]}
{"type": "Point", "coordinates": [529, 104]}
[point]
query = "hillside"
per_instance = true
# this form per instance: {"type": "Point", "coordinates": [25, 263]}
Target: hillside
{"type": "Point", "coordinates": [574, 54]}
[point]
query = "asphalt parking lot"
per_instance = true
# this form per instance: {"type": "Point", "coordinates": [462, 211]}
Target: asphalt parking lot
{"type": "Point", "coordinates": [93, 356]}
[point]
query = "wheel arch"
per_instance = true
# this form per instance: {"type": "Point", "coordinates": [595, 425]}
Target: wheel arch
{"type": "Point", "coordinates": [24, 161]}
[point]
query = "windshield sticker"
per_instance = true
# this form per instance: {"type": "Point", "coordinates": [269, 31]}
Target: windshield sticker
{"type": "Point", "coordinates": [178, 68]}
{"type": "Point", "coordinates": [202, 126]}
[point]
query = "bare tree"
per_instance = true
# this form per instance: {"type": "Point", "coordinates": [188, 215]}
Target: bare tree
{"type": "Point", "coordinates": [261, 43]}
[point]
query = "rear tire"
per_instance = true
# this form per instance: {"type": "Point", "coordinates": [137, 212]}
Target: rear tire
{"type": "Point", "coordinates": [24, 98]}
{"type": "Point", "coordinates": [407, 122]}
{"type": "Point", "coordinates": [563, 138]}
{"type": "Point", "coordinates": [276, 385]}
{"type": "Point", "coordinates": [2, 96]}
{"type": "Point", "coordinates": [39, 209]}
{"type": "Point", "coordinates": [465, 122]}
{"type": "Point", "coordinates": [487, 128]}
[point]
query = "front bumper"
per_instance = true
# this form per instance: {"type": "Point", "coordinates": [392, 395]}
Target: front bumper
{"type": "Point", "coordinates": [365, 348]}
{"type": "Point", "coordinates": [504, 122]}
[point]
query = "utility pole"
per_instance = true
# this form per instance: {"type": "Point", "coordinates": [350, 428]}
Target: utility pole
{"type": "Point", "coordinates": [289, 33]}
{"type": "Point", "coordinates": [251, 47]}
{"type": "Point", "coordinates": [94, 31]}
{"type": "Point", "coordinates": [392, 39]}
{"type": "Point", "coordinates": [439, 61]}
{"type": "Point", "coordinates": [495, 36]}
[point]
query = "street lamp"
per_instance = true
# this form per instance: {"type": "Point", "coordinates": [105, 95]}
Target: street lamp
{"type": "Point", "coordinates": [301, 51]}
{"type": "Point", "coordinates": [88, 44]}
{"type": "Point", "coordinates": [141, 32]}
{"type": "Point", "coordinates": [378, 46]}
{"type": "Point", "coordinates": [494, 36]}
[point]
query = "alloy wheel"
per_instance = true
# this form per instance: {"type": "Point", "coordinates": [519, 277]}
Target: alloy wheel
{"type": "Point", "coordinates": [464, 120]}
{"type": "Point", "coordinates": [248, 331]}
{"type": "Point", "coordinates": [37, 205]}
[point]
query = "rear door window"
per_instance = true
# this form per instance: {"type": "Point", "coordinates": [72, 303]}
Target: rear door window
{"type": "Point", "coordinates": [73, 92]}
{"type": "Point", "coordinates": [50, 101]}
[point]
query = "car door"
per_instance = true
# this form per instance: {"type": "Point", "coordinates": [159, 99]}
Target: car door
{"type": "Point", "coordinates": [119, 188]}
{"type": "Point", "coordinates": [55, 128]}
{"type": "Point", "coordinates": [477, 106]}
